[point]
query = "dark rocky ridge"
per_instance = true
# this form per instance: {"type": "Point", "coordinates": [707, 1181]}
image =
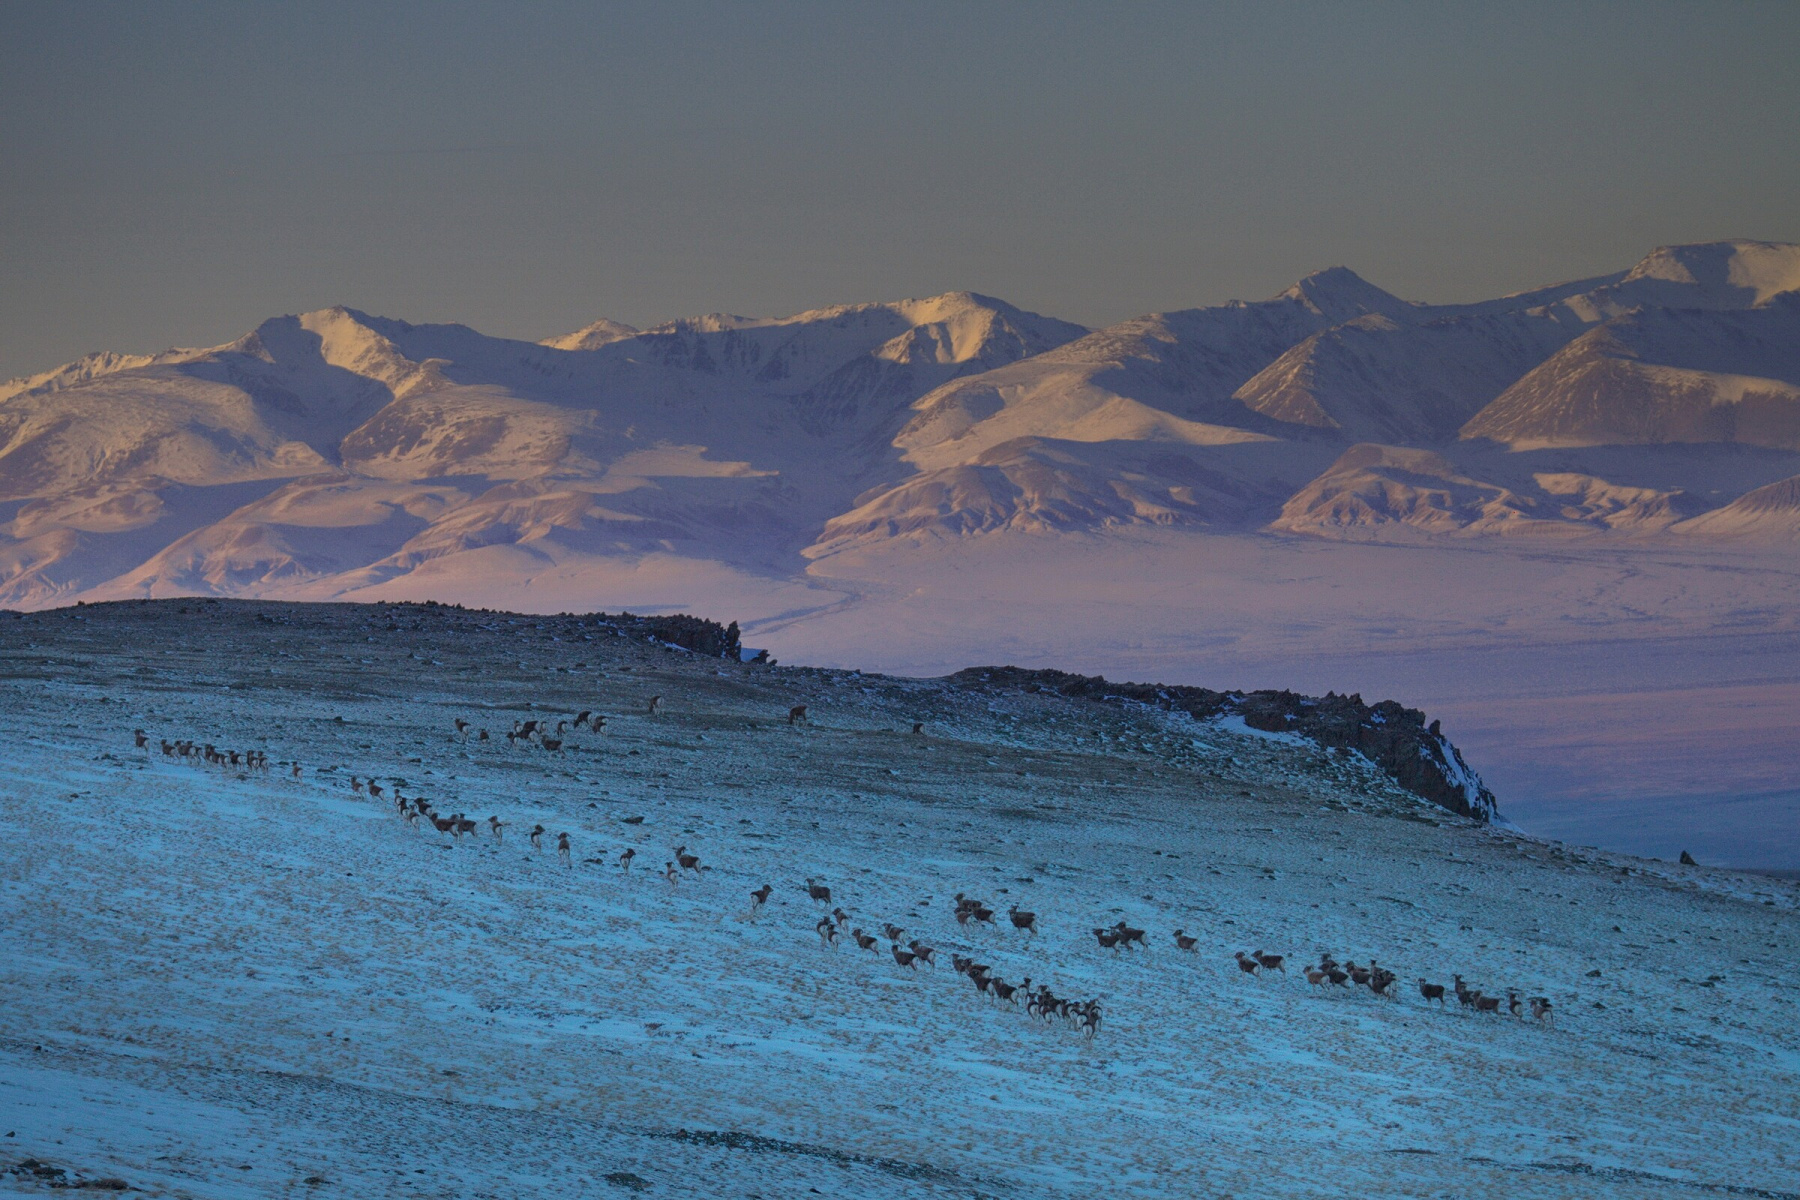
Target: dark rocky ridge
{"type": "Point", "coordinates": [1416, 755]}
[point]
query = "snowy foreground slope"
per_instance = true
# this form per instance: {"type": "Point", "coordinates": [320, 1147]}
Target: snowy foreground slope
{"type": "Point", "coordinates": [219, 982]}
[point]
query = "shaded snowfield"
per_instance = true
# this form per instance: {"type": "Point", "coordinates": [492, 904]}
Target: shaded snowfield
{"type": "Point", "coordinates": [214, 985]}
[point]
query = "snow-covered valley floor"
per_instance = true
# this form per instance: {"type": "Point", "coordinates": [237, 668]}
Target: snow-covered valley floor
{"type": "Point", "coordinates": [222, 982]}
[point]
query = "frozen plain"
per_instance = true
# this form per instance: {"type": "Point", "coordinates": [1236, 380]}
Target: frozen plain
{"type": "Point", "coordinates": [216, 985]}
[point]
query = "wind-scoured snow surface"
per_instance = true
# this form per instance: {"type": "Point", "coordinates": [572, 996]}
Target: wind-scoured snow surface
{"type": "Point", "coordinates": [225, 983]}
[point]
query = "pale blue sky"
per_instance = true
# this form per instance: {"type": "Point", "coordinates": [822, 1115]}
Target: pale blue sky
{"type": "Point", "coordinates": [172, 174]}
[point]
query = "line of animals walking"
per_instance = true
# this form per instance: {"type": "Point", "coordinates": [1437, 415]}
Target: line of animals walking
{"type": "Point", "coordinates": [207, 753]}
{"type": "Point", "coordinates": [538, 729]}
{"type": "Point", "coordinates": [1041, 1002]}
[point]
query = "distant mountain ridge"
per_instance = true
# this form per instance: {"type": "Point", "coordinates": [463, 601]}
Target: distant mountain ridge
{"type": "Point", "coordinates": [336, 453]}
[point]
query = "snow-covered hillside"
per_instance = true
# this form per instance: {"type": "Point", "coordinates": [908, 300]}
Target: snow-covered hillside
{"type": "Point", "coordinates": [226, 982]}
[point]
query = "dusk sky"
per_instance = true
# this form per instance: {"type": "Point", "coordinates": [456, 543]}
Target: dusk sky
{"type": "Point", "coordinates": [175, 174]}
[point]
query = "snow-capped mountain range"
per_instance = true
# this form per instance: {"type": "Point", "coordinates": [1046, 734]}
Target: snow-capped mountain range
{"type": "Point", "coordinates": [334, 453]}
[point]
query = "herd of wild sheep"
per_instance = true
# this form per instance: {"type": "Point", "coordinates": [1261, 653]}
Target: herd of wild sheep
{"type": "Point", "coordinates": [1040, 1002]}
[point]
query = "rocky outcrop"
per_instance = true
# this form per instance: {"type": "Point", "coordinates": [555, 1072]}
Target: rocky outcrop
{"type": "Point", "coordinates": [1399, 740]}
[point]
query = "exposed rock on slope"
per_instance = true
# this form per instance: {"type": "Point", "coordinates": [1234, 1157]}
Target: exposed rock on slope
{"type": "Point", "coordinates": [1397, 739]}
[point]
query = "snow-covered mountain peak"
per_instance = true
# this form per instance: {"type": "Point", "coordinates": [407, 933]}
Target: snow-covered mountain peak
{"type": "Point", "coordinates": [1741, 273]}
{"type": "Point", "coordinates": [1340, 294]}
{"type": "Point", "coordinates": [718, 323]}
{"type": "Point", "coordinates": [336, 337]}
{"type": "Point", "coordinates": [591, 337]}
{"type": "Point", "coordinates": [83, 369]}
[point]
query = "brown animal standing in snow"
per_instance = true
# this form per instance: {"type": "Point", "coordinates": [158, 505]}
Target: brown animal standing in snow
{"type": "Point", "coordinates": [143, 739]}
{"type": "Point", "coordinates": [1184, 942]}
{"type": "Point", "coordinates": [626, 857]}
{"type": "Point", "coordinates": [562, 849]}
{"type": "Point", "coordinates": [760, 897]}
{"type": "Point", "coordinates": [669, 873]}
{"type": "Point", "coordinates": [1432, 991]}
{"type": "Point", "coordinates": [1246, 964]}
{"type": "Point", "coordinates": [818, 891]}
{"type": "Point", "coordinates": [797, 713]}
{"type": "Point", "coordinates": [689, 862]}
{"type": "Point", "coordinates": [655, 703]}
{"type": "Point", "coordinates": [1023, 920]}
{"type": "Point", "coordinates": [537, 837]}
{"type": "Point", "coordinates": [495, 827]}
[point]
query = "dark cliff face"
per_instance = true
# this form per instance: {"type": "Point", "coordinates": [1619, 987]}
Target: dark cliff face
{"type": "Point", "coordinates": [1397, 739]}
